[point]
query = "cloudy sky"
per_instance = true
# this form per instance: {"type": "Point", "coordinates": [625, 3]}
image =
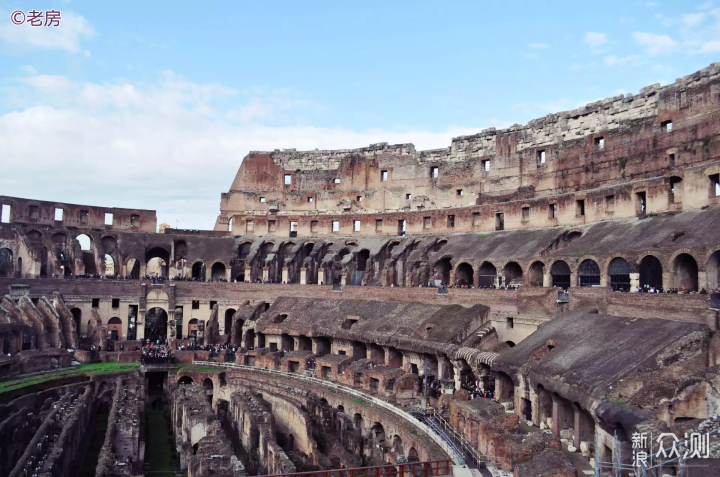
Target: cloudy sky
{"type": "Point", "coordinates": [154, 104]}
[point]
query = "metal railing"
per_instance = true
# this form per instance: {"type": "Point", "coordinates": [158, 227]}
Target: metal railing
{"type": "Point", "coordinates": [438, 439]}
{"type": "Point", "coordinates": [412, 469]}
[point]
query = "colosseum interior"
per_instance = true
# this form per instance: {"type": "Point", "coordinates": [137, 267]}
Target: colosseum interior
{"type": "Point", "coordinates": [539, 296]}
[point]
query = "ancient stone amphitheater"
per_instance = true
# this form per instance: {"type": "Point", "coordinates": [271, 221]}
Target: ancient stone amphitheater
{"type": "Point", "coordinates": [532, 301]}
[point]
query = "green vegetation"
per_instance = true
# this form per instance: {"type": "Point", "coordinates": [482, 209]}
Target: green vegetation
{"type": "Point", "coordinates": [619, 401]}
{"type": "Point", "coordinates": [158, 453]}
{"type": "Point", "coordinates": [358, 400]}
{"type": "Point", "coordinates": [95, 368]}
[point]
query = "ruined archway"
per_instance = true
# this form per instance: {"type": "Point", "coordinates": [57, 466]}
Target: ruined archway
{"type": "Point", "coordinates": [588, 273]}
{"type": "Point", "coordinates": [217, 272]}
{"type": "Point", "coordinates": [487, 275]}
{"type": "Point", "coordinates": [157, 260]}
{"type": "Point", "coordinates": [442, 270]}
{"type": "Point", "coordinates": [713, 271]}
{"type": "Point", "coordinates": [536, 274]}
{"type": "Point", "coordinates": [685, 272]}
{"type": "Point", "coordinates": [228, 320]}
{"type": "Point", "coordinates": [464, 275]}
{"type": "Point", "coordinates": [77, 319]}
{"type": "Point", "coordinates": [619, 274]}
{"type": "Point", "coordinates": [156, 324]}
{"type": "Point", "coordinates": [513, 274]}
{"type": "Point", "coordinates": [110, 270]}
{"type": "Point", "coordinates": [651, 272]}
{"type": "Point", "coordinates": [115, 328]}
{"type": "Point", "coordinates": [560, 273]}
{"type": "Point", "coordinates": [7, 264]}
{"type": "Point", "coordinates": [198, 271]}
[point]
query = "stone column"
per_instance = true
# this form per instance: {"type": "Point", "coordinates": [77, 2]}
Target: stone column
{"type": "Point", "coordinates": [228, 274]}
{"type": "Point", "coordinates": [208, 273]}
{"type": "Point", "coordinates": [248, 271]}
{"type": "Point", "coordinates": [573, 279]}
{"type": "Point", "coordinates": [547, 280]}
{"type": "Point", "coordinates": [634, 282]}
{"type": "Point", "coordinates": [321, 276]}
{"type": "Point", "coordinates": [343, 278]}
{"type": "Point", "coordinates": [303, 276]}
{"type": "Point", "coordinates": [285, 275]}
{"type": "Point", "coordinates": [563, 415]}
{"type": "Point", "coordinates": [266, 274]}
{"type": "Point", "coordinates": [702, 281]}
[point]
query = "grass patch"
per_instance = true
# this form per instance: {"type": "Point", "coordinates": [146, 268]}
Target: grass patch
{"type": "Point", "coordinates": [358, 400]}
{"type": "Point", "coordinates": [95, 368]}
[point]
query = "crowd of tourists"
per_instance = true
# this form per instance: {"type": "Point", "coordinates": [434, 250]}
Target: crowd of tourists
{"type": "Point", "coordinates": [680, 291]}
{"type": "Point", "coordinates": [156, 354]}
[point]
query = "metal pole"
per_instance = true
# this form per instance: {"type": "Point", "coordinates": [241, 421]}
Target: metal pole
{"type": "Point", "coordinates": [597, 454]}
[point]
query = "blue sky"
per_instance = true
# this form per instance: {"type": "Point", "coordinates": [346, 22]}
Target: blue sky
{"type": "Point", "coordinates": [154, 104]}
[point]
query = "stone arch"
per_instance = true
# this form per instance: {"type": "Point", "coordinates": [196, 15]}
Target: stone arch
{"type": "Point", "coordinates": [132, 268]}
{"type": "Point", "coordinates": [712, 270]}
{"type": "Point", "coordinates": [536, 274]}
{"type": "Point", "coordinates": [7, 264]}
{"type": "Point", "coordinates": [685, 272]}
{"type": "Point", "coordinates": [618, 271]}
{"type": "Point", "coordinates": [413, 455]}
{"type": "Point", "coordinates": [198, 270]}
{"type": "Point", "coordinates": [560, 273]}
{"type": "Point", "coordinates": [157, 260]}
{"type": "Point", "coordinates": [85, 242]}
{"type": "Point", "coordinates": [513, 273]}
{"type": "Point", "coordinates": [156, 320]}
{"type": "Point", "coordinates": [229, 313]}
{"type": "Point", "coordinates": [651, 272]}
{"type": "Point", "coordinates": [208, 384]}
{"type": "Point", "coordinates": [185, 380]}
{"type": "Point", "coordinates": [486, 275]}
{"type": "Point", "coordinates": [77, 319]}
{"type": "Point", "coordinates": [464, 274]}
{"type": "Point", "coordinates": [442, 269]}
{"type": "Point", "coordinates": [588, 273]}
{"type": "Point", "coordinates": [217, 272]}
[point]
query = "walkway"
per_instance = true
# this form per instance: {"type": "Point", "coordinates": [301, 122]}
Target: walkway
{"type": "Point", "coordinates": [581, 463]}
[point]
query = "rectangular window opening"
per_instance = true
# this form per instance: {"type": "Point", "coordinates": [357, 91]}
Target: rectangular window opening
{"type": "Point", "coordinates": [408, 196]}
{"type": "Point", "coordinates": [641, 202]}
{"type": "Point", "coordinates": [271, 226]}
{"type": "Point", "coordinates": [336, 226]}
{"type": "Point", "coordinates": [378, 225]}
{"type": "Point", "coordinates": [499, 221]}
{"type": "Point", "coordinates": [525, 214]}
{"type": "Point", "coordinates": [401, 227]}
{"type": "Point", "coordinates": [427, 222]}
{"type": "Point", "coordinates": [486, 165]}
{"type": "Point", "coordinates": [250, 226]}
{"type": "Point", "coordinates": [510, 323]}
{"type": "Point", "coordinates": [667, 126]}
{"type": "Point", "coordinates": [671, 159]}
{"type": "Point", "coordinates": [108, 218]}
{"type": "Point", "coordinates": [58, 214]}
{"type": "Point", "coordinates": [336, 181]}
{"type": "Point", "coordinates": [609, 204]}
{"type": "Point", "coordinates": [262, 200]}
{"type": "Point", "coordinates": [476, 218]}
{"type": "Point", "coordinates": [84, 214]}
{"type": "Point", "coordinates": [551, 211]}
{"type": "Point", "coordinates": [580, 208]}
{"type": "Point", "coordinates": [96, 302]}
{"type": "Point", "coordinates": [5, 214]}
{"type": "Point", "coordinates": [116, 302]}
{"type": "Point", "coordinates": [34, 212]}
{"type": "Point", "coordinates": [434, 172]}
{"type": "Point", "coordinates": [541, 157]}
{"type": "Point", "coordinates": [313, 226]}
{"type": "Point", "coordinates": [196, 304]}
{"type": "Point", "coordinates": [356, 226]}
{"type": "Point", "coordinates": [384, 176]}
{"type": "Point", "coordinates": [134, 220]}
{"type": "Point", "coordinates": [459, 192]}
{"type": "Point", "coordinates": [451, 221]}
{"type": "Point", "coordinates": [359, 198]}
{"type": "Point", "coordinates": [288, 179]}
{"type": "Point", "coordinates": [715, 185]}
{"type": "Point", "coordinates": [212, 304]}
{"type": "Point", "coordinates": [599, 143]}
{"type": "Point", "coordinates": [310, 200]}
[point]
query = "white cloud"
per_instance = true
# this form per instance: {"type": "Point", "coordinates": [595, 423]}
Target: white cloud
{"type": "Point", "coordinates": [88, 54]}
{"type": "Point", "coordinates": [625, 60]}
{"type": "Point", "coordinates": [576, 67]}
{"type": "Point", "coordinates": [654, 44]}
{"type": "Point", "coordinates": [691, 19]}
{"type": "Point", "coordinates": [171, 145]}
{"type": "Point", "coordinates": [68, 36]}
{"type": "Point", "coordinates": [595, 39]}
{"type": "Point", "coordinates": [28, 70]}
{"type": "Point", "coordinates": [539, 45]}
{"type": "Point", "coordinates": [710, 47]}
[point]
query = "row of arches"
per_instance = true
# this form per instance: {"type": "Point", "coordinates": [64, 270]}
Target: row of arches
{"type": "Point", "coordinates": [684, 273]}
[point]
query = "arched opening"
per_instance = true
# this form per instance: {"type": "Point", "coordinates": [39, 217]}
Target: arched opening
{"type": "Point", "coordinates": [685, 272]}
{"type": "Point", "coordinates": [304, 343]}
{"type": "Point", "coordinates": [198, 271]}
{"type": "Point", "coordinates": [359, 350]}
{"type": "Point", "coordinates": [217, 272]}
{"type": "Point", "coordinates": [619, 273]}
{"type": "Point", "coordinates": [413, 455]}
{"type": "Point", "coordinates": [487, 275]}
{"type": "Point", "coordinates": [536, 274]}
{"type": "Point", "coordinates": [713, 271]}
{"type": "Point", "coordinates": [560, 273]}
{"type": "Point", "coordinates": [156, 324]}
{"type": "Point", "coordinates": [513, 274]}
{"type": "Point", "coordinates": [397, 445]}
{"type": "Point", "coordinates": [115, 328]}
{"type": "Point", "coordinates": [442, 270]}
{"type": "Point", "coordinates": [193, 328]}
{"type": "Point", "coordinates": [358, 422]}
{"type": "Point", "coordinates": [464, 275]}
{"type": "Point", "coordinates": [7, 264]}
{"type": "Point", "coordinates": [504, 388]}
{"type": "Point", "coordinates": [676, 189]}
{"type": "Point", "coordinates": [133, 268]}
{"type": "Point", "coordinates": [510, 344]}
{"type": "Point", "coordinates": [362, 258]}
{"type": "Point", "coordinates": [229, 313]}
{"type": "Point", "coordinates": [109, 266]}
{"type": "Point", "coordinates": [77, 319]}
{"type": "Point", "coordinates": [651, 272]}
{"type": "Point", "coordinates": [250, 339]}
{"type": "Point", "coordinates": [85, 242]}
{"type": "Point", "coordinates": [19, 267]}
{"type": "Point", "coordinates": [322, 346]}
{"type": "Point", "coordinates": [287, 342]}
{"type": "Point", "coordinates": [157, 260]}
{"type": "Point", "coordinates": [588, 273]}
{"type": "Point", "coordinates": [208, 384]}
{"type": "Point", "coordinates": [185, 380]}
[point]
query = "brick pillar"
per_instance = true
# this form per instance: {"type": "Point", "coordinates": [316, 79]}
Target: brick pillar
{"type": "Point", "coordinates": [563, 415]}
{"type": "Point", "coordinates": [285, 275]}
{"type": "Point", "coordinates": [303, 276]}
{"type": "Point", "coordinates": [547, 280]}
{"type": "Point", "coordinates": [321, 276]}
{"type": "Point", "coordinates": [702, 281]}
{"type": "Point", "coordinates": [634, 282]}
{"type": "Point", "coordinates": [266, 273]}
{"type": "Point", "coordinates": [248, 271]}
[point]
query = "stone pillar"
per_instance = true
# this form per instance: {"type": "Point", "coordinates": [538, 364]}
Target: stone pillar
{"type": "Point", "coordinates": [456, 376]}
{"type": "Point", "coordinates": [343, 278]}
{"type": "Point", "coordinates": [563, 415]}
{"type": "Point", "coordinates": [634, 282]}
{"type": "Point", "coordinates": [573, 279]}
{"type": "Point", "coordinates": [266, 274]}
{"type": "Point", "coordinates": [603, 279]}
{"type": "Point", "coordinates": [547, 280]}
{"type": "Point", "coordinates": [321, 276]}
{"type": "Point", "coordinates": [303, 276]}
{"type": "Point", "coordinates": [285, 275]}
{"type": "Point", "coordinates": [702, 281]}
{"type": "Point", "coordinates": [208, 273]}
{"type": "Point", "coordinates": [228, 274]}
{"type": "Point", "coordinates": [248, 271]}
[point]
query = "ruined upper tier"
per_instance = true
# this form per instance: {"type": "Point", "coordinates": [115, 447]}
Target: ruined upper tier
{"type": "Point", "coordinates": [615, 158]}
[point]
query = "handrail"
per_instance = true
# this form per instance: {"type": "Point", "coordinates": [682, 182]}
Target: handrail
{"type": "Point", "coordinates": [449, 450]}
{"type": "Point", "coordinates": [429, 469]}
